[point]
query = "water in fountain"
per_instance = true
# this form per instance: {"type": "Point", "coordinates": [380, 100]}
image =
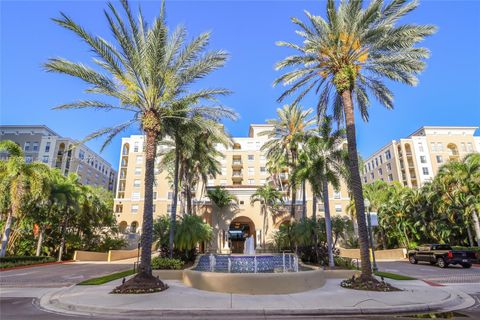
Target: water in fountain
{"type": "Point", "coordinates": [229, 265]}
{"type": "Point", "coordinates": [212, 263]}
{"type": "Point", "coordinates": [255, 263]}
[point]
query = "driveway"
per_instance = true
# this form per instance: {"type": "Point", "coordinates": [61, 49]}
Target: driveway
{"type": "Point", "coordinates": [59, 275]}
{"type": "Point", "coordinates": [425, 271]}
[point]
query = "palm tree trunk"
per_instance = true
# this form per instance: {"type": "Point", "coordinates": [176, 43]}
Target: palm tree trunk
{"type": "Point", "coordinates": [470, 236]}
{"type": "Point", "coordinates": [356, 184]}
{"type": "Point", "coordinates": [314, 218]}
{"type": "Point", "coordinates": [328, 225]}
{"type": "Point", "coordinates": [476, 226]}
{"type": "Point", "coordinates": [62, 241]}
{"type": "Point", "coordinates": [173, 218]}
{"type": "Point", "coordinates": [293, 202]}
{"type": "Point", "coordinates": [147, 226]}
{"type": "Point", "coordinates": [304, 201]}
{"type": "Point", "coordinates": [39, 241]}
{"type": "Point", "coordinates": [264, 225]}
{"type": "Point", "coordinates": [6, 234]}
{"type": "Point", "coordinates": [314, 206]}
{"type": "Point", "coordinates": [189, 198]}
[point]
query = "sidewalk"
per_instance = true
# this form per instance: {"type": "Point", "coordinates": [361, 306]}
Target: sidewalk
{"type": "Point", "coordinates": [179, 299]}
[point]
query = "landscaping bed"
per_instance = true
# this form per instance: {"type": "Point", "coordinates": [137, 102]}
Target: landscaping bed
{"type": "Point", "coordinates": [20, 261]}
{"type": "Point", "coordinates": [107, 278]}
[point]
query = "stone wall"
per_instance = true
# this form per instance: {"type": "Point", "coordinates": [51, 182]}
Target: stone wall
{"type": "Point", "coordinates": [391, 254]}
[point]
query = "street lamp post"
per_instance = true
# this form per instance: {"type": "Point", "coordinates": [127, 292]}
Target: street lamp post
{"type": "Point", "coordinates": [370, 235]}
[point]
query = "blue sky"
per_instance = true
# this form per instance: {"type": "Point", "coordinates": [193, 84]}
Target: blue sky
{"type": "Point", "coordinates": [448, 92]}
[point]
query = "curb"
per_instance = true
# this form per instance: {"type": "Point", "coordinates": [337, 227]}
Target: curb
{"type": "Point", "coordinates": [50, 302]}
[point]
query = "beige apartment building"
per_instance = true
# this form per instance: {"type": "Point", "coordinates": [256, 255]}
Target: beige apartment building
{"type": "Point", "coordinates": [42, 144]}
{"type": "Point", "coordinates": [243, 170]}
{"type": "Point", "coordinates": [414, 160]}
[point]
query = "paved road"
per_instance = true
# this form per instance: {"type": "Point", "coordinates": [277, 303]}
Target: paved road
{"type": "Point", "coordinates": [58, 275]}
{"type": "Point", "coordinates": [425, 271]}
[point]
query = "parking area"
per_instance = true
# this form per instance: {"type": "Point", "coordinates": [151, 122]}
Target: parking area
{"type": "Point", "coordinates": [425, 271]}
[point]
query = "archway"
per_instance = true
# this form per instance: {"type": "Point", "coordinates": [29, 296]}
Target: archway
{"type": "Point", "coordinates": [133, 227]}
{"type": "Point", "coordinates": [240, 229]}
{"type": "Point", "coordinates": [452, 149]}
{"type": "Point", "coordinates": [122, 227]}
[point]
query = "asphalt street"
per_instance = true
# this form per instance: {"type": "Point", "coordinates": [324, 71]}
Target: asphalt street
{"type": "Point", "coordinates": [25, 307]}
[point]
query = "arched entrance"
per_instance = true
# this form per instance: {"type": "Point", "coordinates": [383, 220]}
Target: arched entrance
{"type": "Point", "coordinates": [240, 229]}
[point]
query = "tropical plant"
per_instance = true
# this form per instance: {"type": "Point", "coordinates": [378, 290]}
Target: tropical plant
{"type": "Point", "coordinates": [344, 57]}
{"type": "Point", "coordinates": [269, 199]}
{"type": "Point", "coordinates": [191, 231]}
{"type": "Point", "coordinates": [18, 181]}
{"type": "Point", "coordinates": [221, 197]}
{"type": "Point", "coordinates": [322, 164]}
{"type": "Point", "coordinates": [285, 138]}
{"type": "Point", "coordinates": [149, 73]}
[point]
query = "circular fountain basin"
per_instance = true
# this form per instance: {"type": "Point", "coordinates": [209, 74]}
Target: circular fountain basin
{"type": "Point", "coordinates": [275, 274]}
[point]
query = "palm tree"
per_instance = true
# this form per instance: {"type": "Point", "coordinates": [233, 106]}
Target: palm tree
{"type": "Point", "coordinates": [460, 181]}
{"type": "Point", "coordinates": [148, 72]}
{"type": "Point", "coordinates": [325, 160]}
{"type": "Point", "coordinates": [269, 199]}
{"type": "Point", "coordinates": [18, 181]}
{"type": "Point", "coordinates": [344, 57]}
{"type": "Point", "coordinates": [284, 140]}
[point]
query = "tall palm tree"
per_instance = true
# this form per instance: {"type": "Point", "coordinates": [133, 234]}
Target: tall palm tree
{"type": "Point", "coordinates": [18, 181]}
{"type": "Point", "coordinates": [148, 71]}
{"type": "Point", "coordinates": [284, 140]}
{"type": "Point", "coordinates": [344, 57]}
{"type": "Point", "coordinates": [325, 165]}
{"type": "Point", "coordinates": [269, 198]}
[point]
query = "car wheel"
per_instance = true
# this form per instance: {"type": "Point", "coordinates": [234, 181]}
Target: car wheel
{"type": "Point", "coordinates": [433, 262]}
{"type": "Point", "coordinates": [441, 263]}
{"type": "Point", "coordinates": [466, 265]}
{"type": "Point", "coordinates": [412, 259]}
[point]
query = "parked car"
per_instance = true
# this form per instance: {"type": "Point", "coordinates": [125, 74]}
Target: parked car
{"type": "Point", "coordinates": [442, 255]}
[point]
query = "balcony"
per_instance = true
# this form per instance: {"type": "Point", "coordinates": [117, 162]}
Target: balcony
{"type": "Point", "coordinates": [284, 176]}
{"type": "Point", "coordinates": [237, 163]}
{"type": "Point", "coordinates": [237, 175]}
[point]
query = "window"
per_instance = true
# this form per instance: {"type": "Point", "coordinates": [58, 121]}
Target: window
{"type": "Point", "coordinates": [439, 159]}
{"type": "Point", "coordinates": [139, 160]}
{"type": "Point", "coordinates": [338, 208]}
{"type": "Point", "coordinates": [337, 195]}
{"type": "Point", "coordinates": [135, 195]}
{"type": "Point", "coordinates": [223, 182]}
{"type": "Point", "coordinates": [154, 195]}
{"type": "Point", "coordinates": [35, 146]}
{"type": "Point", "coordinates": [263, 169]}
{"type": "Point", "coordinates": [134, 208]}
{"type": "Point", "coordinates": [434, 146]}
{"type": "Point", "coordinates": [425, 170]}
{"type": "Point", "coordinates": [380, 171]}
{"type": "Point", "coordinates": [381, 159]}
{"type": "Point", "coordinates": [242, 202]}
{"type": "Point", "coordinates": [390, 177]}
{"type": "Point", "coordinates": [170, 195]}
{"type": "Point", "coordinates": [251, 171]}
{"type": "Point", "coordinates": [27, 146]}
{"type": "Point", "coordinates": [439, 146]}
{"type": "Point", "coordinates": [28, 159]}
{"type": "Point", "coordinates": [169, 208]}
{"type": "Point", "coordinates": [388, 155]}
{"type": "Point", "coordinates": [365, 179]}
{"type": "Point", "coordinates": [81, 154]}
{"type": "Point", "coordinates": [423, 159]}
{"type": "Point", "coordinates": [389, 166]}
{"type": "Point", "coordinates": [463, 147]}
{"type": "Point", "coordinates": [80, 166]}
{"type": "Point", "coordinates": [45, 159]}
{"type": "Point", "coordinates": [154, 207]}
{"type": "Point", "coordinates": [369, 168]}
{"type": "Point", "coordinates": [251, 181]}
{"type": "Point", "coordinates": [224, 171]}
{"type": "Point", "coordinates": [119, 208]}
{"type": "Point", "coordinates": [262, 158]}
{"type": "Point", "coordinates": [47, 147]}
{"type": "Point", "coordinates": [135, 146]}
{"type": "Point", "coordinates": [251, 157]}
{"type": "Point", "coordinates": [262, 181]}
{"type": "Point", "coordinates": [138, 171]}
{"type": "Point", "coordinates": [420, 147]}
{"type": "Point", "coordinates": [372, 175]}
{"type": "Point", "coordinates": [376, 162]}
{"type": "Point", "coordinates": [210, 182]}
{"type": "Point", "coordinates": [136, 183]}
{"type": "Point", "coordinates": [469, 147]}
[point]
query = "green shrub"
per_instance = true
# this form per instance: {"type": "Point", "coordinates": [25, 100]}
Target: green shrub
{"type": "Point", "coordinates": [346, 263]}
{"type": "Point", "coordinates": [15, 261]}
{"type": "Point", "coordinates": [159, 263]}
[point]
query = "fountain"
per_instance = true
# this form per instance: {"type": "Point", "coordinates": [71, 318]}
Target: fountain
{"type": "Point", "coordinates": [213, 262]}
{"type": "Point", "coordinates": [229, 265]}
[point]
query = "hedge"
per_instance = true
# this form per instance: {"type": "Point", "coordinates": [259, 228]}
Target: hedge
{"type": "Point", "coordinates": [159, 263]}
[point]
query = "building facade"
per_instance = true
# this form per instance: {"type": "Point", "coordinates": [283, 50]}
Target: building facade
{"type": "Point", "coordinates": [416, 159]}
{"type": "Point", "coordinates": [243, 170]}
{"type": "Point", "coordinates": [40, 143]}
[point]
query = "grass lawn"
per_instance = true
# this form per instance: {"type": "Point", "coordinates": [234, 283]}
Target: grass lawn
{"type": "Point", "coordinates": [107, 278]}
{"type": "Point", "coordinates": [393, 276]}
